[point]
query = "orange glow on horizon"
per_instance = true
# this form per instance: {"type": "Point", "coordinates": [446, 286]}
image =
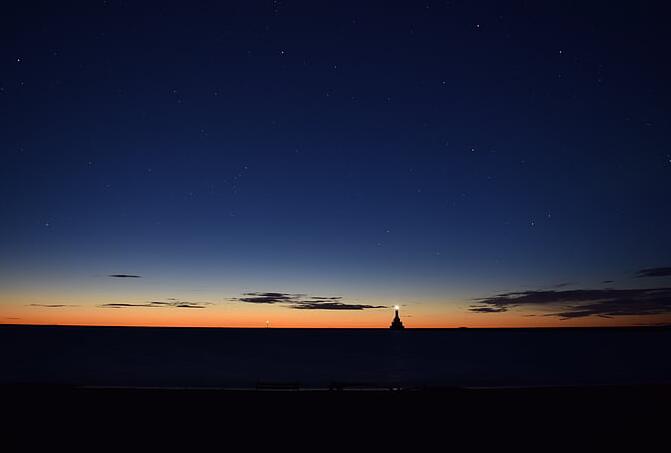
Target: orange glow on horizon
{"type": "Point", "coordinates": [178, 318]}
{"type": "Point", "coordinates": [83, 309]}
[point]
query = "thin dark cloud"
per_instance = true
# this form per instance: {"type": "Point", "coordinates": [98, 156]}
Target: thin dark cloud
{"type": "Point", "coordinates": [124, 305]}
{"type": "Point", "coordinates": [333, 306]}
{"type": "Point", "coordinates": [654, 272]}
{"type": "Point", "coordinates": [170, 303]}
{"type": "Point", "coordinates": [488, 309]}
{"type": "Point", "coordinates": [608, 281]}
{"type": "Point", "coordinates": [302, 301]}
{"type": "Point", "coordinates": [581, 303]}
{"type": "Point", "coordinates": [268, 298]}
{"type": "Point", "coordinates": [562, 285]}
{"type": "Point", "coordinates": [52, 305]}
{"type": "Point", "coordinates": [124, 276]}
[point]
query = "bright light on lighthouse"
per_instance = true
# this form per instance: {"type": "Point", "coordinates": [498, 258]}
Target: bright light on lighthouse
{"type": "Point", "coordinates": [396, 324]}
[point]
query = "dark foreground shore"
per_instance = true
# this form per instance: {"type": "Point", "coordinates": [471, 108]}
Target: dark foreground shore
{"type": "Point", "coordinates": [100, 387]}
{"type": "Point", "coordinates": [535, 417]}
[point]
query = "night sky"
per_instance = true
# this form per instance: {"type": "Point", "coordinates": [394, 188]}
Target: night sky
{"type": "Point", "coordinates": [312, 164]}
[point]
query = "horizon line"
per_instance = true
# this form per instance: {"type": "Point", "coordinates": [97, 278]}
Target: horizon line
{"type": "Point", "coordinates": [139, 326]}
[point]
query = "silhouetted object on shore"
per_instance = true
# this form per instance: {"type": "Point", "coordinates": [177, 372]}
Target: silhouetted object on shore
{"type": "Point", "coordinates": [396, 324]}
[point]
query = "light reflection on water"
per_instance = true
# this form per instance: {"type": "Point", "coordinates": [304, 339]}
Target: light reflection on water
{"type": "Point", "coordinates": [320, 357]}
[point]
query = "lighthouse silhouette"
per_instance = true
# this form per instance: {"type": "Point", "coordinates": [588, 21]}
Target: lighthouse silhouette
{"type": "Point", "coordinates": [396, 324]}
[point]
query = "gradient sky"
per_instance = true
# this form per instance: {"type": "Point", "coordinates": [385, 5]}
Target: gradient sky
{"type": "Point", "coordinates": [306, 163]}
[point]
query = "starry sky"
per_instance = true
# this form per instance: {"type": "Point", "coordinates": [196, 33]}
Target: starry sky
{"type": "Point", "coordinates": [312, 164]}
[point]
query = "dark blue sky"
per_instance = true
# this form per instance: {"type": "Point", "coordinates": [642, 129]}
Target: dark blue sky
{"type": "Point", "coordinates": [419, 151]}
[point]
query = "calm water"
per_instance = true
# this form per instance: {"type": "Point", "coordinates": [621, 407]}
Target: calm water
{"type": "Point", "coordinates": [112, 356]}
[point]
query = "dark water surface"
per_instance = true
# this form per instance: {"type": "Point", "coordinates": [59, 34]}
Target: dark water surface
{"type": "Point", "coordinates": [186, 357]}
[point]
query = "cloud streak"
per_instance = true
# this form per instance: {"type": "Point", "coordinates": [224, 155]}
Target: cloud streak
{"type": "Point", "coordinates": [268, 298]}
{"type": "Point", "coordinates": [302, 301]}
{"type": "Point", "coordinates": [169, 303]}
{"type": "Point", "coordinates": [562, 285]}
{"type": "Point", "coordinates": [333, 306]}
{"type": "Point", "coordinates": [124, 276]}
{"type": "Point", "coordinates": [582, 303]}
{"type": "Point", "coordinates": [654, 272]}
{"type": "Point", "coordinates": [52, 305]}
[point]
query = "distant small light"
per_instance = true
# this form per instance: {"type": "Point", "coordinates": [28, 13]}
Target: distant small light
{"type": "Point", "coordinates": [395, 307]}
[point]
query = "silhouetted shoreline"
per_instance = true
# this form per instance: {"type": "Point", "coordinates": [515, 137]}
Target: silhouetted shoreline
{"type": "Point", "coordinates": [291, 385]}
{"type": "Point", "coordinates": [508, 416]}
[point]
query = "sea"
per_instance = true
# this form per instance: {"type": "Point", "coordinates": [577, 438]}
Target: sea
{"type": "Point", "coordinates": [228, 358]}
